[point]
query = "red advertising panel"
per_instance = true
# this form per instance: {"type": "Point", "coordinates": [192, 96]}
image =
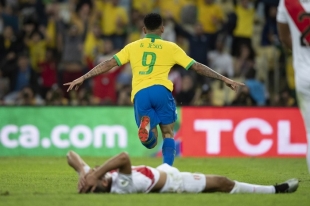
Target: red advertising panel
{"type": "Point", "coordinates": [238, 132]}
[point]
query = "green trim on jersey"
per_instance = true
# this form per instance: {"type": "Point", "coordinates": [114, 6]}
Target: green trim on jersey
{"type": "Point", "coordinates": [117, 60]}
{"type": "Point", "coordinates": [190, 64]}
{"type": "Point", "coordinates": [152, 36]}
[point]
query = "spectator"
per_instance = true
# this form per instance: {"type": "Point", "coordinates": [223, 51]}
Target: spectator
{"type": "Point", "coordinates": [220, 60]}
{"type": "Point", "coordinates": [114, 21]}
{"type": "Point", "coordinates": [198, 43]}
{"type": "Point", "coordinates": [12, 3]}
{"type": "Point", "coordinates": [284, 99]}
{"type": "Point", "coordinates": [290, 74]}
{"type": "Point", "coordinates": [9, 18]}
{"type": "Point", "coordinates": [72, 46]}
{"type": "Point", "coordinates": [171, 8]}
{"type": "Point", "coordinates": [176, 79]}
{"type": "Point", "coordinates": [270, 32]}
{"type": "Point", "coordinates": [93, 45]}
{"type": "Point", "coordinates": [52, 11]}
{"type": "Point", "coordinates": [245, 25]}
{"type": "Point", "coordinates": [135, 29]}
{"type": "Point", "coordinates": [37, 48]}
{"type": "Point", "coordinates": [268, 52]}
{"type": "Point", "coordinates": [198, 46]}
{"type": "Point", "coordinates": [189, 13]}
{"type": "Point", "coordinates": [55, 96]}
{"type": "Point", "coordinates": [135, 16]}
{"type": "Point", "coordinates": [221, 95]}
{"type": "Point", "coordinates": [211, 16]}
{"type": "Point", "coordinates": [84, 97]}
{"type": "Point", "coordinates": [81, 18]}
{"type": "Point", "coordinates": [243, 98]}
{"type": "Point", "coordinates": [33, 10]}
{"type": "Point", "coordinates": [186, 95]}
{"type": "Point", "coordinates": [29, 25]}
{"type": "Point", "coordinates": [104, 85]}
{"type": "Point", "coordinates": [124, 96]}
{"type": "Point", "coordinates": [1, 24]}
{"type": "Point", "coordinates": [72, 65]}
{"type": "Point", "coordinates": [4, 86]}
{"type": "Point", "coordinates": [169, 32]}
{"type": "Point", "coordinates": [204, 96]}
{"type": "Point", "coordinates": [144, 7]}
{"type": "Point", "coordinates": [182, 42]}
{"type": "Point", "coordinates": [8, 69]}
{"type": "Point", "coordinates": [229, 24]}
{"type": "Point", "coordinates": [24, 76]}
{"type": "Point", "coordinates": [48, 70]}
{"type": "Point", "coordinates": [266, 5]}
{"type": "Point", "coordinates": [124, 78]}
{"type": "Point", "coordinates": [8, 44]}
{"type": "Point", "coordinates": [27, 97]}
{"type": "Point", "coordinates": [244, 60]}
{"type": "Point", "coordinates": [256, 88]}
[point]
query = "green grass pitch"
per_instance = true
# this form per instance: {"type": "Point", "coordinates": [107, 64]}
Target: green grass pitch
{"type": "Point", "coordinates": [49, 181]}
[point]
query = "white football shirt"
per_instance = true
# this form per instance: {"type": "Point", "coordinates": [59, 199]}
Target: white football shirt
{"type": "Point", "coordinates": [296, 13]}
{"type": "Point", "coordinates": [141, 180]}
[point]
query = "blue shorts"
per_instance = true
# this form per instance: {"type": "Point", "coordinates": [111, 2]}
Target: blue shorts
{"type": "Point", "coordinates": [157, 103]}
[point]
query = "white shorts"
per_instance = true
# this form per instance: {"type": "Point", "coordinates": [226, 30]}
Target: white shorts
{"type": "Point", "coordinates": [182, 182]}
{"type": "Point", "coordinates": [193, 182]}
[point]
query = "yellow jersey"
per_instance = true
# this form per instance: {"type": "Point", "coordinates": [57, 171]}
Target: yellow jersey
{"type": "Point", "coordinates": [245, 23]}
{"type": "Point", "coordinates": [111, 15]}
{"type": "Point", "coordinates": [143, 6]}
{"type": "Point", "coordinates": [173, 6]}
{"type": "Point", "coordinates": [151, 59]}
{"type": "Point", "coordinates": [206, 13]}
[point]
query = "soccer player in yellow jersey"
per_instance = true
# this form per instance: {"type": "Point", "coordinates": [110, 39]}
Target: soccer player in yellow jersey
{"type": "Point", "coordinates": [151, 59]}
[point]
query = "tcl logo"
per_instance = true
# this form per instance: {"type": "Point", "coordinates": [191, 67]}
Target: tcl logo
{"type": "Point", "coordinates": [242, 132]}
{"type": "Point", "coordinates": [213, 129]}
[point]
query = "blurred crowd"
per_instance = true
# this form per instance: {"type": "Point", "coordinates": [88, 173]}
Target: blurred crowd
{"type": "Point", "coordinates": [45, 43]}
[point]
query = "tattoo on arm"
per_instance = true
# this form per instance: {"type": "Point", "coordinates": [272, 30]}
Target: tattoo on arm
{"type": "Point", "coordinates": [206, 71]}
{"type": "Point", "coordinates": [101, 68]}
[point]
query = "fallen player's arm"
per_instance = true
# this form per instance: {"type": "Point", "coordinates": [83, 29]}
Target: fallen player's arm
{"type": "Point", "coordinates": [75, 161]}
{"type": "Point", "coordinates": [101, 68]}
{"type": "Point", "coordinates": [285, 35]}
{"type": "Point", "coordinates": [208, 72]}
{"type": "Point", "coordinates": [120, 162]}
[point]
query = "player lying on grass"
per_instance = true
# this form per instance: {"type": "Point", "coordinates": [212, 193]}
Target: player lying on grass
{"type": "Point", "coordinates": [117, 175]}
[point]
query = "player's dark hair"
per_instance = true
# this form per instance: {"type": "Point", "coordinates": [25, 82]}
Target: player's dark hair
{"type": "Point", "coordinates": [152, 21]}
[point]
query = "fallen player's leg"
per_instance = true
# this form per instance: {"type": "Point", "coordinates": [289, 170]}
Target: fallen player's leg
{"type": "Point", "coordinates": [186, 182]}
{"type": "Point", "coordinates": [223, 184]}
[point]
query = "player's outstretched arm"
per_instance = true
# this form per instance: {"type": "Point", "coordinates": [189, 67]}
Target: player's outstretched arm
{"type": "Point", "coordinates": [103, 67]}
{"type": "Point", "coordinates": [208, 72]}
{"type": "Point", "coordinates": [121, 162]}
